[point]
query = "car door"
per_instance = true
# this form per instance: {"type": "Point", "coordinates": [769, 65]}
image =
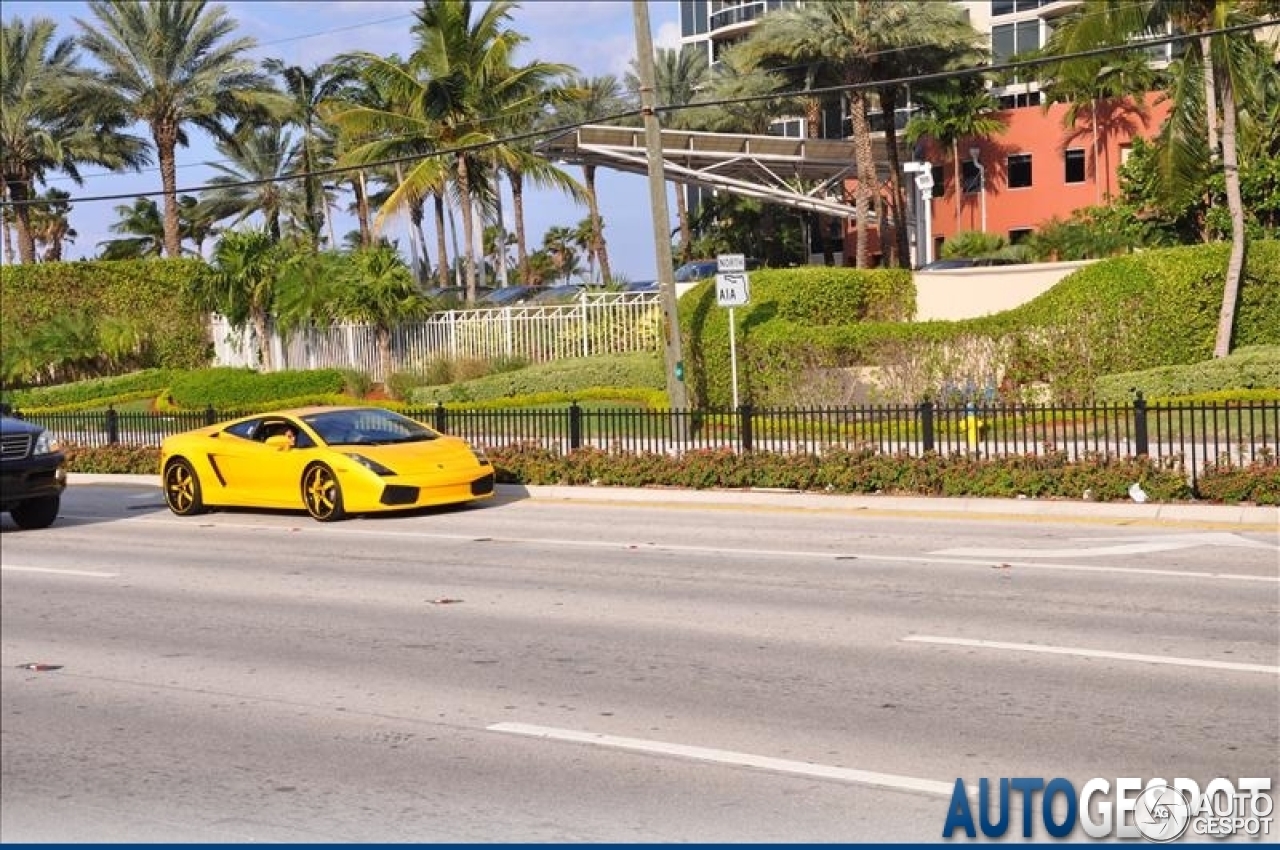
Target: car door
{"type": "Point", "coordinates": [258, 473]}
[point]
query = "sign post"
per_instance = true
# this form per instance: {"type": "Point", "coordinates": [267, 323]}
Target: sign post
{"type": "Point", "coordinates": [732, 290]}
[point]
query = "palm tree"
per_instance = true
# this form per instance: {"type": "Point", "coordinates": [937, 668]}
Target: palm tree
{"type": "Point", "coordinates": [384, 120]}
{"type": "Point", "coordinates": [1210, 88]}
{"type": "Point", "coordinates": [528, 107]}
{"type": "Point", "coordinates": [169, 64]}
{"type": "Point", "coordinates": [821, 44]}
{"type": "Point", "coordinates": [912, 39]}
{"type": "Point", "coordinates": [144, 227]}
{"type": "Point", "coordinates": [382, 293]}
{"type": "Point", "coordinates": [307, 90]}
{"type": "Point", "coordinates": [43, 125]}
{"type": "Point", "coordinates": [50, 226]}
{"type": "Point", "coordinates": [252, 179]}
{"type": "Point", "coordinates": [559, 243]}
{"type": "Point", "coordinates": [679, 79]}
{"type": "Point", "coordinates": [958, 109]}
{"type": "Point", "coordinates": [596, 98]}
{"type": "Point", "coordinates": [240, 284]}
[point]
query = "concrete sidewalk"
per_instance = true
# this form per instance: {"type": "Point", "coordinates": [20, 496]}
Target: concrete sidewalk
{"type": "Point", "coordinates": [1241, 517]}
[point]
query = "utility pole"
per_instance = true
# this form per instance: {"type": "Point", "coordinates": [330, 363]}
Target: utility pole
{"type": "Point", "coordinates": [677, 396]}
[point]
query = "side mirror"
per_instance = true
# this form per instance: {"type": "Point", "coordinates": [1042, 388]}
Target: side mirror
{"type": "Point", "coordinates": [279, 442]}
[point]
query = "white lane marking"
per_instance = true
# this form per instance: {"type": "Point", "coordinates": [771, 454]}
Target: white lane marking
{"type": "Point", "coordinates": [57, 572]}
{"type": "Point", "coordinates": [729, 757]}
{"type": "Point", "coordinates": [1128, 546]}
{"type": "Point", "coordinates": [867, 557]}
{"type": "Point", "coordinates": [1096, 653]}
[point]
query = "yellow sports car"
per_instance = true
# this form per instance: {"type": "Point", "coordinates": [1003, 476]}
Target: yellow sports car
{"type": "Point", "coordinates": [330, 461]}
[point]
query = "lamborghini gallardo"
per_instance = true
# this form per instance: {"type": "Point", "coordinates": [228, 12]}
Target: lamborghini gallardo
{"type": "Point", "coordinates": [331, 462]}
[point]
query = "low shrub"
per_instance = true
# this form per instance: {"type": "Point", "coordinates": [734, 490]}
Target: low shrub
{"type": "Point", "coordinates": [569, 377]}
{"type": "Point", "coordinates": [1255, 367]}
{"type": "Point", "coordinates": [1231, 483]}
{"type": "Point", "coordinates": [94, 392]}
{"type": "Point", "coordinates": [240, 389]}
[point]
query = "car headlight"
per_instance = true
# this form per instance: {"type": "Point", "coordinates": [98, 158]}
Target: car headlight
{"type": "Point", "coordinates": [371, 465]}
{"type": "Point", "coordinates": [480, 456]}
{"type": "Point", "coordinates": [46, 444]}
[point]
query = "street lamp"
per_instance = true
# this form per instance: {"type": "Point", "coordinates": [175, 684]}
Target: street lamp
{"type": "Point", "coordinates": [974, 154]}
{"type": "Point", "coordinates": [924, 217]}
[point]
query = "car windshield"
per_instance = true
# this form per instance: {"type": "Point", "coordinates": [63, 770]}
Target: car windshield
{"type": "Point", "coordinates": [367, 426]}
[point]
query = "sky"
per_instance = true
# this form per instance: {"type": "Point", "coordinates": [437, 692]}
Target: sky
{"type": "Point", "coordinates": [595, 36]}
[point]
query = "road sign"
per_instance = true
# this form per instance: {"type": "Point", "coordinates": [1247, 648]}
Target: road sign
{"type": "Point", "coordinates": [731, 262]}
{"type": "Point", "coordinates": [732, 289]}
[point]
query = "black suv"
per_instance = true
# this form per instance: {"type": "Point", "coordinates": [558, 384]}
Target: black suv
{"type": "Point", "coordinates": [32, 472]}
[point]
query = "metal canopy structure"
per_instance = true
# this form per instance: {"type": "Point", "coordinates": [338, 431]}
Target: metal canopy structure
{"type": "Point", "coordinates": [772, 168]}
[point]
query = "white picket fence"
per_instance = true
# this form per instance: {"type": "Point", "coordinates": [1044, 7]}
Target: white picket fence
{"type": "Point", "coordinates": [597, 323]}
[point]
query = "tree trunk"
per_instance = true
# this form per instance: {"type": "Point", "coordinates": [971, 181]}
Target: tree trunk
{"type": "Point", "coordinates": [500, 261]}
{"type": "Point", "coordinates": [165, 135]}
{"type": "Point", "coordinates": [865, 165]}
{"type": "Point", "coordinates": [955, 158]}
{"type": "Point", "coordinates": [598, 248]}
{"type": "Point", "coordinates": [264, 340]}
{"type": "Point", "coordinates": [682, 218]}
{"type": "Point", "coordinates": [468, 228]}
{"type": "Point", "coordinates": [1211, 95]}
{"type": "Point", "coordinates": [1235, 264]}
{"type": "Point", "coordinates": [901, 236]}
{"type": "Point", "coordinates": [1097, 166]}
{"type": "Point", "coordinates": [22, 220]}
{"type": "Point", "coordinates": [362, 210]}
{"type": "Point", "coordinates": [423, 260]}
{"type": "Point", "coordinates": [385, 365]}
{"type": "Point", "coordinates": [442, 256]}
{"type": "Point", "coordinates": [517, 210]}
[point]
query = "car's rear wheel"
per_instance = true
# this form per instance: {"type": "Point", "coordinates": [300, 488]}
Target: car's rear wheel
{"type": "Point", "coordinates": [36, 513]}
{"type": "Point", "coordinates": [322, 494]}
{"type": "Point", "coordinates": [182, 488]}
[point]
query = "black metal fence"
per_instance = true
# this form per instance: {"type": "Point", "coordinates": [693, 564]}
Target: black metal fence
{"type": "Point", "coordinates": [1188, 436]}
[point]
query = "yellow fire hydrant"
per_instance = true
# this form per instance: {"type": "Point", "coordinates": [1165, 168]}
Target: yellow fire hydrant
{"type": "Point", "coordinates": [972, 427]}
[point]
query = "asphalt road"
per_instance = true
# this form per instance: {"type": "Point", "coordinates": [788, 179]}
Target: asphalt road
{"type": "Point", "coordinates": [532, 670]}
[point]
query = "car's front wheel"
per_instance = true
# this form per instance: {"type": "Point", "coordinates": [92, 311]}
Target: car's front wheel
{"type": "Point", "coordinates": [182, 489]}
{"type": "Point", "coordinates": [322, 494]}
{"type": "Point", "coordinates": [36, 513]}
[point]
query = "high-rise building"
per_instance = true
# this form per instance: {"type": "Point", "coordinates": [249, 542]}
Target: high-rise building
{"type": "Point", "coordinates": [1009, 183]}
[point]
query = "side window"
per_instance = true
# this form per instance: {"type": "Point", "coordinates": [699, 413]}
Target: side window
{"type": "Point", "coordinates": [244, 430]}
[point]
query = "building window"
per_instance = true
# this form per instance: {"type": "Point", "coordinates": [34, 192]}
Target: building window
{"type": "Point", "coordinates": [1019, 235]}
{"type": "Point", "coordinates": [939, 181]}
{"type": "Point", "coordinates": [1019, 100]}
{"type": "Point", "coordinates": [1019, 170]}
{"type": "Point", "coordinates": [1075, 165]}
{"type": "Point", "coordinates": [1001, 7]}
{"type": "Point", "coordinates": [1125, 152]}
{"type": "Point", "coordinates": [970, 178]}
{"type": "Point", "coordinates": [1008, 40]}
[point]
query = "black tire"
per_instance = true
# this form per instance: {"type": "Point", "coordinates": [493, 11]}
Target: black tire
{"type": "Point", "coordinates": [36, 513]}
{"type": "Point", "coordinates": [322, 494]}
{"type": "Point", "coordinates": [182, 488]}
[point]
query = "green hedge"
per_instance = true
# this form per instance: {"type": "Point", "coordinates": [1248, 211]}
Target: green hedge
{"type": "Point", "coordinates": [94, 392]}
{"type": "Point", "coordinates": [793, 317]}
{"type": "Point", "coordinates": [150, 295]}
{"type": "Point", "coordinates": [239, 389]}
{"type": "Point", "coordinates": [1146, 310]}
{"type": "Point", "coordinates": [1254, 367]}
{"type": "Point", "coordinates": [639, 372]}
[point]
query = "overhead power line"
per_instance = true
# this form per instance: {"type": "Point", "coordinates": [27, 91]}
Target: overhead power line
{"type": "Point", "coordinates": [914, 79]}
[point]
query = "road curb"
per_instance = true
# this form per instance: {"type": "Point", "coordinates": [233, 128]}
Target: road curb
{"type": "Point", "coordinates": [1257, 517]}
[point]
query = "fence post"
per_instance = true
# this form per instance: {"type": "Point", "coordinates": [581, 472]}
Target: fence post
{"type": "Point", "coordinates": [441, 420]}
{"type": "Point", "coordinates": [575, 426]}
{"type": "Point", "coordinates": [210, 415]}
{"type": "Point", "coordinates": [744, 427]}
{"type": "Point", "coordinates": [1141, 446]}
{"type": "Point", "coordinates": [113, 426]}
{"type": "Point", "coordinates": [926, 424]}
